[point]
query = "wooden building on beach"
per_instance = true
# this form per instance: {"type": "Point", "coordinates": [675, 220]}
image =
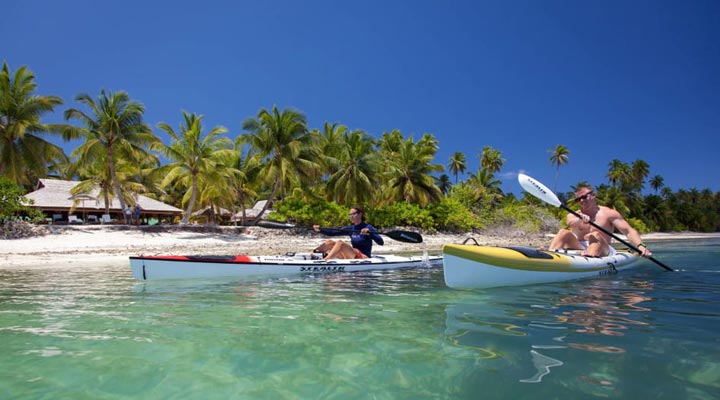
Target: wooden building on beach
{"type": "Point", "coordinates": [54, 199]}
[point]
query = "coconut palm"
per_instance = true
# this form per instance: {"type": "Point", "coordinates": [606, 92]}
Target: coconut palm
{"type": "Point", "coordinates": [391, 142]}
{"type": "Point", "coordinates": [242, 171]}
{"type": "Point", "coordinates": [657, 213]}
{"type": "Point", "coordinates": [288, 150]}
{"type": "Point", "coordinates": [96, 176]}
{"type": "Point", "coordinates": [409, 170]}
{"type": "Point", "coordinates": [457, 164]}
{"type": "Point", "coordinates": [114, 126]}
{"type": "Point", "coordinates": [638, 172]}
{"type": "Point", "coordinates": [559, 156]}
{"type": "Point", "coordinates": [491, 160]}
{"type": "Point", "coordinates": [355, 180]}
{"type": "Point", "coordinates": [619, 173]}
{"type": "Point", "coordinates": [331, 144]}
{"type": "Point", "coordinates": [193, 157]}
{"type": "Point", "coordinates": [484, 185]}
{"type": "Point", "coordinates": [24, 155]}
{"type": "Point", "coordinates": [443, 183]}
{"type": "Point", "coordinates": [657, 182]}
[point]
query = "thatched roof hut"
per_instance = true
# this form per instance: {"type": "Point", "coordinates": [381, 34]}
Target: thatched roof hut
{"type": "Point", "coordinates": [54, 198]}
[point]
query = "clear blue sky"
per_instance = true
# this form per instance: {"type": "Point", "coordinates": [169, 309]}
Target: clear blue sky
{"type": "Point", "coordinates": [610, 80]}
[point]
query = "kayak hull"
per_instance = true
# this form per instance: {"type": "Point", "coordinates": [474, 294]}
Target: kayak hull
{"type": "Point", "coordinates": [186, 267]}
{"type": "Point", "coordinates": [471, 266]}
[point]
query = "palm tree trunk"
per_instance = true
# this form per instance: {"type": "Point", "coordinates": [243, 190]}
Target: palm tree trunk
{"type": "Point", "coordinates": [115, 182]}
{"type": "Point", "coordinates": [191, 203]}
{"type": "Point", "coordinates": [267, 203]}
{"type": "Point", "coordinates": [241, 201]}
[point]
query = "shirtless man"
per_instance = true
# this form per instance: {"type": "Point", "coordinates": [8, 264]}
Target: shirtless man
{"type": "Point", "coordinates": [580, 235]}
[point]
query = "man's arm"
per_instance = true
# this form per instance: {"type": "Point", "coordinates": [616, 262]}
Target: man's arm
{"type": "Point", "coordinates": [571, 220]}
{"type": "Point", "coordinates": [622, 225]}
{"type": "Point", "coordinates": [631, 233]}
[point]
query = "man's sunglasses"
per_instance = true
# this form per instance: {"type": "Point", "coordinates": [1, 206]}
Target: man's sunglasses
{"type": "Point", "coordinates": [584, 197]}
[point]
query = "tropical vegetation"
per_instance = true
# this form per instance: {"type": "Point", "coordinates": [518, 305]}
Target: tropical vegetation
{"type": "Point", "coordinates": [311, 175]}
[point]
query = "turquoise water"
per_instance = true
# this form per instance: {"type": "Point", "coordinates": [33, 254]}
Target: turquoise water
{"type": "Point", "coordinates": [95, 333]}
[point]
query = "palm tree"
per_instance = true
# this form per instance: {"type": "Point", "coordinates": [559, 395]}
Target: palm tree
{"type": "Point", "coordinates": [409, 171]}
{"type": "Point", "coordinates": [24, 155]}
{"type": "Point", "coordinates": [559, 156]}
{"type": "Point", "coordinates": [391, 142]}
{"type": "Point", "coordinates": [443, 183]}
{"type": "Point", "coordinates": [638, 172]}
{"type": "Point", "coordinates": [657, 213]}
{"type": "Point", "coordinates": [331, 144]}
{"type": "Point", "coordinates": [484, 184]}
{"type": "Point", "coordinates": [95, 175]}
{"type": "Point", "coordinates": [619, 174]}
{"type": "Point", "coordinates": [289, 151]}
{"type": "Point", "coordinates": [657, 182]}
{"type": "Point", "coordinates": [115, 127]}
{"type": "Point", "coordinates": [242, 170]}
{"type": "Point", "coordinates": [193, 157]}
{"type": "Point", "coordinates": [667, 193]}
{"type": "Point", "coordinates": [457, 164]}
{"type": "Point", "coordinates": [490, 159]}
{"type": "Point", "coordinates": [354, 182]}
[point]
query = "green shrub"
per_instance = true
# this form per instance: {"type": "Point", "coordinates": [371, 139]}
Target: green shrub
{"type": "Point", "coordinates": [13, 205]}
{"type": "Point", "coordinates": [451, 215]}
{"type": "Point", "coordinates": [401, 214]}
{"type": "Point", "coordinates": [302, 212]}
{"type": "Point", "coordinates": [526, 217]}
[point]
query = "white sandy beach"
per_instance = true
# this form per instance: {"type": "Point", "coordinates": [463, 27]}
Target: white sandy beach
{"type": "Point", "coordinates": [99, 245]}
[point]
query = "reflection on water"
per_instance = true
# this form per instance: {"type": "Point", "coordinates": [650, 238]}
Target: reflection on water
{"type": "Point", "coordinates": [601, 310]}
{"type": "Point", "coordinates": [97, 333]}
{"type": "Point", "coordinates": [592, 336]}
{"type": "Point", "coordinates": [570, 318]}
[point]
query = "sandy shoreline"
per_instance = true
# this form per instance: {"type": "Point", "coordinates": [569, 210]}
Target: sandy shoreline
{"type": "Point", "coordinates": [98, 245]}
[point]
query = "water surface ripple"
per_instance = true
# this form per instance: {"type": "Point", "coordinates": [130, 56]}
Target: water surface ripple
{"type": "Point", "coordinates": [88, 333]}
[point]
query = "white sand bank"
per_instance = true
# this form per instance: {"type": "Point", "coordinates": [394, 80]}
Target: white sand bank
{"type": "Point", "coordinates": [99, 245]}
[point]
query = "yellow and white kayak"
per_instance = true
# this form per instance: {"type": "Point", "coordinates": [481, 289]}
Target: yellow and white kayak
{"type": "Point", "coordinates": [473, 266]}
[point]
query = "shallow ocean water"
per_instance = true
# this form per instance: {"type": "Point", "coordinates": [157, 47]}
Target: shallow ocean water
{"type": "Point", "coordinates": [94, 332]}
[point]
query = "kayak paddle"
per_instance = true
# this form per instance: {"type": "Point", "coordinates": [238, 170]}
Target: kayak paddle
{"type": "Point", "coordinates": [541, 191]}
{"type": "Point", "coordinates": [401, 236]}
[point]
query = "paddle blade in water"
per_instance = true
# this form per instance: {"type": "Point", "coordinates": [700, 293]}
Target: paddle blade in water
{"type": "Point", "coordinates": [538, 190]}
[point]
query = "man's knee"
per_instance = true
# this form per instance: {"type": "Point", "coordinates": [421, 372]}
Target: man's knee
{"type": "Point", "coordinates": [596, 237]}
{"type": "Point", "coordinates": [566, 233]}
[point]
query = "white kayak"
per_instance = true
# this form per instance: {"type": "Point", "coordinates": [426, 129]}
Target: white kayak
{"type": "Point", "coordinates": [182, 267]}
{"type": "Point", "coordinates": [473, 266]}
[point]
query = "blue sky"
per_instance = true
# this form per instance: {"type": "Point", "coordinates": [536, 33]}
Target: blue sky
{"type": "Point", "coordinates": [610, 80]}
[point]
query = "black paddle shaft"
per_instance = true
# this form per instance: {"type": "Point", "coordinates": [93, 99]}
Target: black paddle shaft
{"type": "Point", "coordinates": [401, 236]}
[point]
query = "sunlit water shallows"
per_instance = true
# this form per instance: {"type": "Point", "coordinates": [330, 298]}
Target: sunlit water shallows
{"type": "Point", "coordinates": [95, 333]}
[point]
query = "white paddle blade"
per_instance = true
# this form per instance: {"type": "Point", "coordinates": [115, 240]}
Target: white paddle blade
{"type": "Point", "coordinates": [538, 190]}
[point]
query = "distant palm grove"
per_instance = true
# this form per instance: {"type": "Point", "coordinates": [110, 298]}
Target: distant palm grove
{"type": "Point", "coordinates": [313, 175]}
